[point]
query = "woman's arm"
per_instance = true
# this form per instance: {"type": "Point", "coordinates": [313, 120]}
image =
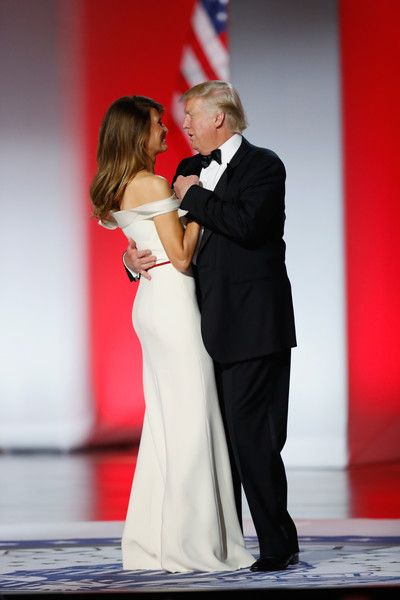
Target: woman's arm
{"type": "Point", "coordinates": [179, 243]}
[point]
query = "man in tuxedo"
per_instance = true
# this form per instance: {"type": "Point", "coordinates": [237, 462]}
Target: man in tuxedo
{"type": "Point", "coordinates": [236, 192]}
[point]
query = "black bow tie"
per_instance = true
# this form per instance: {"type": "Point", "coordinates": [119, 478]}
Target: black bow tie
{"type": "Point", "coordinates": [215, 155]}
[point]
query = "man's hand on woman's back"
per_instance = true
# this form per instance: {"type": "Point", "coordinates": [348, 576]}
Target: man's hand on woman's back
{"type": "Point", "coordinates": [139, 261]}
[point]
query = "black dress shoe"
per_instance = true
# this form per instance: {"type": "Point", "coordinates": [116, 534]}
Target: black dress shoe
{"type": "Point", "coordinates": [273, 563]}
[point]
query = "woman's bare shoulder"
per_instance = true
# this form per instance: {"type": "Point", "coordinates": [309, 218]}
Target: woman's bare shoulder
{"type": "Point", "coordinates": [145, 187]}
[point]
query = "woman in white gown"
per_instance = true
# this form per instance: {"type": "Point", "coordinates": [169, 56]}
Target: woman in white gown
{"type": "Point", "coordinates": [181, 514]}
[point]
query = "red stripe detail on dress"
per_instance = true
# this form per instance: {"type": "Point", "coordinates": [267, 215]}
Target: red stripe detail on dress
{"type": "Point", "coordinates": [167, 262]}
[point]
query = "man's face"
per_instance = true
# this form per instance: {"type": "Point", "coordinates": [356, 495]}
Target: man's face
{"type": "Point", "coordinates": [200, 125]}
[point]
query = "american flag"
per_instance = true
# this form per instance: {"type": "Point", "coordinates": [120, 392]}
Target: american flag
{"type": "Point", "coordinates": [205, 54]}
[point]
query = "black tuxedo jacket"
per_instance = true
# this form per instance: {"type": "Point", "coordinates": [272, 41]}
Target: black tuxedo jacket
{"type": "Point", "coordinates": [243, 288]}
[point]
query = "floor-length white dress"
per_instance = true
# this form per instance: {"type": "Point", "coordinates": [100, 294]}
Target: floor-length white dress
{"type": "Point", "coordinates": [181, 514]}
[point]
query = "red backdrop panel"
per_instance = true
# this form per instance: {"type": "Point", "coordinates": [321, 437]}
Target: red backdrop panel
{"type": "Point", "coordinates": [129, 48]}
{"type": "Point", "coordinates": [370, 45]}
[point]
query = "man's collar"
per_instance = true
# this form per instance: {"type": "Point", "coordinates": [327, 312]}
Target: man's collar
{"type": "Point", "coordinates": [230, 147]}
{"type": "Point", "coordinates": [240, 148]}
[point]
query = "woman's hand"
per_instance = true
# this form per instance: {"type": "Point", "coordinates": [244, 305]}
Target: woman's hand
{"type": "Point", "coordinates": [139, 261]}
{"type": "Point", "coordinates": [182, 184]}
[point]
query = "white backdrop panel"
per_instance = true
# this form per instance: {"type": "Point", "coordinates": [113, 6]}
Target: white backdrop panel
{"type": "Point", "coordinates": [44, 399]}
{"type": "Point", "coordinates": [284, 62]}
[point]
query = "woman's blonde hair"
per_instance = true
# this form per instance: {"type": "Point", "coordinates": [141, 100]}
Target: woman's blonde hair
{"type": "Point", "coordinates": [222, 96]}
{"type": "Point", "coordinates": [121, 151]}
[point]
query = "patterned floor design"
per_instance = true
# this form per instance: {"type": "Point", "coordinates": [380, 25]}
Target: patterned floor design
{"type": "Point", "coordinates": [93, 564]}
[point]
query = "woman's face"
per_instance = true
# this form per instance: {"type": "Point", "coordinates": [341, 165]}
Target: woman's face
{"type": "Point", "coordinates": [158, 133]}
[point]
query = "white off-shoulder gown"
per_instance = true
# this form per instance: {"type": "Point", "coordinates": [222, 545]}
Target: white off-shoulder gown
{"type": "Point", "coordinates": [181, 514]}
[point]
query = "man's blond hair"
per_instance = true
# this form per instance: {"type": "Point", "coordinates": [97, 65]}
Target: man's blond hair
{"type": "Point", "coordinates": [222, 96]}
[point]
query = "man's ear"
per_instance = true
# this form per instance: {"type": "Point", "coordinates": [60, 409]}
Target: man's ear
{"type": "Point", "coordinates": [219, 119]}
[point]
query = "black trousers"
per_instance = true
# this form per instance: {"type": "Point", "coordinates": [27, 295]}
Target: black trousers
{"type": "Point", "coordinates": [254, 404]}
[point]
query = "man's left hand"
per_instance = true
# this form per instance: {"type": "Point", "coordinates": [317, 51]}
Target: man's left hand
{"type": "Point", "coordinates": [182, 184]}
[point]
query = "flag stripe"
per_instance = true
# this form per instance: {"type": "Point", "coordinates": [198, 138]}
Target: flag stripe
{"type": "Point", "coordinates": [191, 67]}
{"type": "Point", "coordinates": [205, 55]}
{"type": "Point", "coordinates": [211, 43]}
{"type": "Point", "coordinates": [203, 60]}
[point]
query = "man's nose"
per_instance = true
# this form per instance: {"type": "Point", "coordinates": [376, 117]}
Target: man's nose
{"type": "Point", "coordinates": [185, 123]}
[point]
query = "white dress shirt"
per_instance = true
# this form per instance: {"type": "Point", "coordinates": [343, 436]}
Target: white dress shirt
{"type": "Point", "coordinates": [210, 176]}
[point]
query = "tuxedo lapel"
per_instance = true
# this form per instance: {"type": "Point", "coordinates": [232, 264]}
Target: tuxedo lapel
{"type": "Point", "coordinates": [221, 186]}
{"type": "Point", "coordinates": [193, 166]}
{"type": "Point", "coordinates": [243, 149]}
{"type": "Point", "coordinates": [189, 166]}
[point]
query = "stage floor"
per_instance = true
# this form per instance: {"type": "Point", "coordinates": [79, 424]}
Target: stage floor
{"type": "Point", "coordinates": [61, 518]}
{"type": "Point", "coordinates": [95, 486]}
{"type": "Point", "coordinates": [85, 558]}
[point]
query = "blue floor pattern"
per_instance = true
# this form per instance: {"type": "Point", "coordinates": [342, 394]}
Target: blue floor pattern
{"type": "Point", "coordinates": [94, 565]}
